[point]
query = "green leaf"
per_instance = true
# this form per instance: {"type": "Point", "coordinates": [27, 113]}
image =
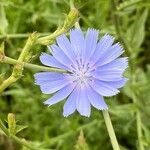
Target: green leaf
{"type": "Point", "coordinates": [3, 20]}
{"type": "Point", "coordinates": [20, 128]}
{"type": "Point", "coordinates": [136, 31]}
{"type": "Point", "coordinates": [127, 4]}
{"type": "Point", "coordinates": [139, 29]}
{"type": "Point", "coordinates": [123, 109]}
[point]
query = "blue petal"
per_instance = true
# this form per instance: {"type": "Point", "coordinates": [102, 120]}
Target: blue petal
{"type": "Point", "coordinates": [60, 95]}
{"type": "Point", "coordinates": [77, 41]}
{"type": "Point", "coordinates": [82, 103]}
{"type": "Point", "coordinates": [96, 100]}
{"type": "Point", "coordinates": [91, 42]}
{"type": "Point", "coordinates": [112, 53]}
{"type": "Point", "coordinates": [70, 104]}
{"type": "Point", "coordinates": [49, 60]}
{"type": "Point", "coordinates": [60, 56]}
{"type": "Point", "coordinates": [44, 77]}
{"type": "Point", "coordinates": [66, 47]}
{"type": "Point", "coordinates": [103, 88]}
{"type": "Point", "coordinates": [120, 63]}
{"type": "Point", "coordinates": [53, 86]}
{"type": "Point", "coordinates": [103, 45]}
{"type": "Point", "coordinates": [118, 84]}
{"type": "Point", "coordinates": [108, 75]}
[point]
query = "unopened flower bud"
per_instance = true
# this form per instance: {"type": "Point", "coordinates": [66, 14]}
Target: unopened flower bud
{"type": "Point", "coordinates": [11, 123]}
{"type": "Point", "coordinates": [71, 18]}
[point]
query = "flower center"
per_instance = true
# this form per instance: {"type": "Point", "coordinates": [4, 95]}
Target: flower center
{"type": "Point", "coordinates": [80, 72]}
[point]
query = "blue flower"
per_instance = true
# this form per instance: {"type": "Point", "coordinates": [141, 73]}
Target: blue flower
{"type": "Point", "coordinates": [95, 71]}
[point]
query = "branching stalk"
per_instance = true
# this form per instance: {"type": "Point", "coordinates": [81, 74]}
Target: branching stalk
{"type": "Point", "coordinates": [25, 53]}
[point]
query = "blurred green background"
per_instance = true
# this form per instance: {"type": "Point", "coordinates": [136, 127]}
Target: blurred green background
{"type": "Point", "coordinates": [46, 127]}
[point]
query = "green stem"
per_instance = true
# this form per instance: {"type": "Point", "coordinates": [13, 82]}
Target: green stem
{"type": "Point", "coordinates": [72, 4]}
{"type": "Point", "coordinates": [139, 130]}
{"type": "Point", "coordinates": [32, 40]}
{"type": "Point", "coordinates": [132, 68]}
{"type": "Point", "coordinates": [68, 23]}
{"type": "Point", "coordinates": [12, 61]}
{"type": "Point", "coordinates": [13, 78]}
{"type": "Point", "coordinates": [15, 138]}
{"type": "Point", "coordinates": [138, 125]}
{"type": "Point", "coordinates": [23, 142]}
{"type": "Point", "coordinates": [21, 35]}
{"type": "Point", "coordinates": [7, 82]}
{"type": "Point", "coordinates": [105, 113]}
{"type": "Point", "coordinates": [18, 68]}
{"type": "Point", "coordinates": [77, 25]}
{"type": "Point", "coordinates": [26, 50]}
{"type": "Point", "coordinates": [3, 128]}
{"type": "Point", "coordinates": [110, 130]}
{"type": "Point", "coordinates": [138, 118]}
{"type": "Point", "coordinates": [46, 40]}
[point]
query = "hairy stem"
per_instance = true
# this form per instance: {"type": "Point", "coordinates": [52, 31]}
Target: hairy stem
{"type": "Point", "coordinates": [110, 130]}
{"type": "Point", "coordinates": [138, 126]}
{"type": "Point", "coordinates": [7, 82]}
{"type": "Point", "coordinates": [18, 68]}
{"type": "Point", "coordinates": [25, 53]}
{"type": "Point", "coordinates": [11, 61]}
{"type": "Point", "coordinates": [139, 130]}
{"type": "Point", "coordinates": [22, 142]}
{"type": "Point", "coordinates": [68, 23]}
{"type": "Point", "coordinates": [20, 35]}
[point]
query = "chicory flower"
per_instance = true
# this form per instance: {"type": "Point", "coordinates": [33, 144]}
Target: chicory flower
{"type": "Point", "coordinates": [94, 71]}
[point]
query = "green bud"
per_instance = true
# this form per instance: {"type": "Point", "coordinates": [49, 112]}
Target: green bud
{"type": "Point", "coordinates": [71, 19]}
{"type": "Point", "coordinates": [11, 123]}
{"type": "Point", "coordinates": [81, 142]}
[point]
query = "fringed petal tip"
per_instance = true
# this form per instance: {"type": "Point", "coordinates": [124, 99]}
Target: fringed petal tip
{"type": "Point", "coordinates": [114, 94]}
{"type": "Point", "coordinates": [87, 116]}
{"type": "Point", "coordinates": [46, 103]}
{"type": "Point", "coordinates": [103, 109]}
{"type": "Point", "coordinates": [93, 30]}
{"type": "Point", "coordinates": [66, 115]}
{"type": "Point", "coordinates": [36, 83]}
{"type": "Point", "coordinates": [127, 62]}
{"type": "Point", "coordinates": [50, 49]}
{"type": "Point", "coordinates": [75, 30]}
{"type": "Point", "coordinates": [61, 36]}
{"type": "Point", "coordinates": [107, 35]}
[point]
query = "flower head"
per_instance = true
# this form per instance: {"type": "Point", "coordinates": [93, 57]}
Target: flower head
{"type": "Point", "coordinates": [94, 70]}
